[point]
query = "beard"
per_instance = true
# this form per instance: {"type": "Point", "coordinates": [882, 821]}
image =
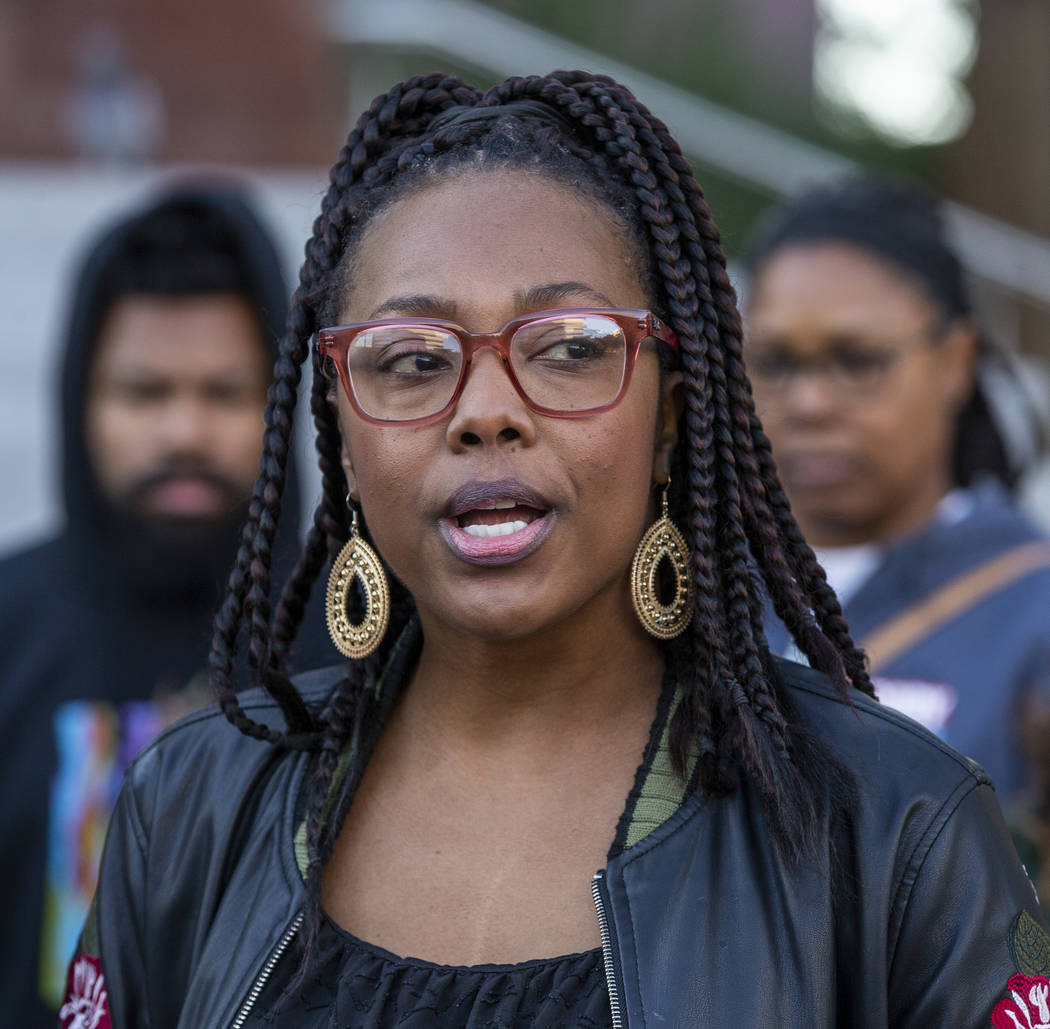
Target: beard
{"type": "Point", "coordinates": [175, 559]}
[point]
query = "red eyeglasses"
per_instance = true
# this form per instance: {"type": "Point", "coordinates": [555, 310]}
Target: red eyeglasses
{"type": "Point", "coordinates": [565, 364]}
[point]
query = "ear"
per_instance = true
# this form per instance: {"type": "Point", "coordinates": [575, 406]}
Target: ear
{"type": "Point", "coordinates": [344, 453]}
{"type": "Point", "coordinates": [672, 403]}
{"type": "Point", "coordinates": [348, 471]}
{"type": "Point", "coordinates": [958, 364]}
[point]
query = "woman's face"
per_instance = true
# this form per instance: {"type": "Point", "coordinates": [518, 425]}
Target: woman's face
{"type": "Point", "coordinates": [857, 386]}
{"type": "Point", "coordinates": [481, 249]}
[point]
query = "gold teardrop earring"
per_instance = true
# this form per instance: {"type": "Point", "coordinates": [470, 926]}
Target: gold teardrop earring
{"type": "Point", "coordinates": [662, 541]}
{"type": "Point", "coordinates": [357, 560]}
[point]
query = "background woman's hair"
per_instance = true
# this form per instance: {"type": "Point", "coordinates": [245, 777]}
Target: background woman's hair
{"type": "Point", "coordinates": [903, 224]}
{"type": "Point", "coordinates": [590, 134]}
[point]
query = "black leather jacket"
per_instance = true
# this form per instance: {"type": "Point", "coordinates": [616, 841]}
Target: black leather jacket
{"type": "Point", "coordinates": [923, 916]}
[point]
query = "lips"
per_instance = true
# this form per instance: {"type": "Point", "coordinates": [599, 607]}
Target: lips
{"type": "Point", "coordinates": [185, 496]}
{"type": "Point", "coordinates": [496, 523]}
{"type": "Point", "coordinates": [816, 470]}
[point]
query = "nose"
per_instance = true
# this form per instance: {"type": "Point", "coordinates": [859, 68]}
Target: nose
{"type": "Point", "coordinates": [489, 412]}
{"type": "Point", "coordinates": [182, 425]}
{"type": "Point", "coordinates": [810, 394]}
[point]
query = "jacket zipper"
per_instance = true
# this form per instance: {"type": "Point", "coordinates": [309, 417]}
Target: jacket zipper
{"type": "Point", "coordinates": [607, 951]}
{"type": "Point", "coordinates": [267, 971]}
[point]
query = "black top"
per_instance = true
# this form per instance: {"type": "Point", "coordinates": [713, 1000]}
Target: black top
{"type": "Point", "coordinates": [352, 983]}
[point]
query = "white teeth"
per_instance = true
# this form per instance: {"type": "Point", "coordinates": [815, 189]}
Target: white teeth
{"type": "Point", "coordinates": [498, 505]}
{"type": "Point", "coordinates": [500, 529]}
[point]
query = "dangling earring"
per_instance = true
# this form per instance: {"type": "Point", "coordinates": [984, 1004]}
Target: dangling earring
{"type": "Point", "coordinates": [662, 541]}
{"type": "Point", "coordinates": [357, 560]}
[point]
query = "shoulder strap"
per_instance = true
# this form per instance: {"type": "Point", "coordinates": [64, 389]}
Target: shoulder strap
{"type": "Point", "coordinates": [955, 597]}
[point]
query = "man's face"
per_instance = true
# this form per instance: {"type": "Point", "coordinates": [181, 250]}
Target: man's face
{"type": "Point", "coordinates": [174, 412]}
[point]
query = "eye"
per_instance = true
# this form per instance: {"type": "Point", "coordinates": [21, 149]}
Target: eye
{"type": "Point", "coordinates": [579, 348]}
{"type": "Point", "coordinates": [772, 364]}
{"type": "Point", "coordinates": [231, 393]}
{"type": "Point", "coordinates": [862, 362]}
{"type": "Point", "coordinates": [405, 352]}
{"type": "Point", "coordinates": [419, 361]}
{"type": "Point", "coordinates": [136, 392]}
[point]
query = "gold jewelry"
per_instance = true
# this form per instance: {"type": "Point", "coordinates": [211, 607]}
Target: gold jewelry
{"type": "Point", "coordinates": [357, 560]}
{"type": "Point", "coordinates": [662, 542]}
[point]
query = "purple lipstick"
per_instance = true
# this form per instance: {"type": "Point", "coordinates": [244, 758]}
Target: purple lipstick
{"type": "Point", "coordinates": [495, 523]}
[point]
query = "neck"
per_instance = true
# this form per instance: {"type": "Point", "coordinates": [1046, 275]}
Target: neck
{"type": "Point", "coordinates": [557, 684]}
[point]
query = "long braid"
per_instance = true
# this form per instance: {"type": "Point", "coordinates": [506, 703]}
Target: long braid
{"type": "Point", "coordinates": [791, 548]}
{"type": "Point", "coordinates": [741, 613]}
{"type": "Point", "coordinates": [330, 523]}
{"type": "Point", "coordinates": [831, 626]}
{"type": "Point", "coordinates": [757, 455]}
{"type": "Point", "coordinates": [273, 463]}
{"type": "Point", "coordinates": [247, 598]}
{"type": "Point", "coordinates": [706, 453]}
{"type": "Point", "coordinates": [827, 643]}
{"type": "Point", "coordinates": [344, 719]}
{"type": "Point", "coordinates": [826, 606]}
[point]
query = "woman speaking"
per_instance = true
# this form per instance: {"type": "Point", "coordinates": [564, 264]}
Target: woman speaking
{"type": "Point", "coordinates": [560, 780]}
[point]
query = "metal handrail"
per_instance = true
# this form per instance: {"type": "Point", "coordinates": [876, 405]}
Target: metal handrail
{"type": "Point", "coordinates": [742, 148]}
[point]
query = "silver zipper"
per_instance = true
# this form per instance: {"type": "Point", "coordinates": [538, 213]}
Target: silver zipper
{"type": "Point", "coordinates": [267, 971]}
{"type": "Point", "coordinates": [607, 954]}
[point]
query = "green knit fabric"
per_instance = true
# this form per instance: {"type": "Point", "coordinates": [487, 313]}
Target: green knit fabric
{"type": "Point", "coordinates": [301, 856]}
{"type": "Point", "coordinates": [662, 792]}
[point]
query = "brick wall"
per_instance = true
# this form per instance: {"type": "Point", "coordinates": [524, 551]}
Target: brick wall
{"type": "Point", "coordinates": [244, 81]}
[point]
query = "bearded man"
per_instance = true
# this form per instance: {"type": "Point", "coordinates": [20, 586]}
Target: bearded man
{"type": "Point", "coordinates": [105, 628]}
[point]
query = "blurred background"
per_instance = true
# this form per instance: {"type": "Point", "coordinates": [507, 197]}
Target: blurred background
{"type": "Point", "coordinates": [107, 97]}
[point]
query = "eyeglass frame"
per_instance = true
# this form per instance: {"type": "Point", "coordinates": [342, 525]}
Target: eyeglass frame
{"type": "Point", "coordinates": [889, 351]}
{"type": "Point", "coordinates": [637, 326]}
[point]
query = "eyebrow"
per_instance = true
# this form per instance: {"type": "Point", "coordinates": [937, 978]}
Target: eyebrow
{"type": "Point", "coordinates": [553, 293]}
{"type": "Point", "coordinates": [535, 298]}
{"type": "Point", "coordinates": [423, 305]}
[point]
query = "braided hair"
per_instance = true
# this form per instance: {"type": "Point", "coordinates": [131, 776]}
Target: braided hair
{"type": "Point", "coordinates": [592, 135]}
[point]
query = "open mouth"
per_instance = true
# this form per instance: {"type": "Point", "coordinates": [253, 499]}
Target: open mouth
{"type": "Point", "coordinates": [496, 523]}
{"type": "Point", "coordinates": [499, 518]}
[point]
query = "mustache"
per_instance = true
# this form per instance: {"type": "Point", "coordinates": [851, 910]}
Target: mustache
{"type": "Point", "coordinates": [141, 486]}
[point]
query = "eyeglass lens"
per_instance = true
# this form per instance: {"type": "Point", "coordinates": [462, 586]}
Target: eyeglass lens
{"type": "Point", "coordinates": [852, 367]}
{"type": "Point", "coordinates": [569, 363]}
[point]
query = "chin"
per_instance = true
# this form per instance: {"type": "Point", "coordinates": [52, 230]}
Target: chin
{"type": "Point", "coordinates": [501, 627]}
{"type": "Point", "coordinates": [497, 621]}
{"type": "Point", "coordinates": [837, 527]}
{"type": "Point", "coordinates": [834, 507]}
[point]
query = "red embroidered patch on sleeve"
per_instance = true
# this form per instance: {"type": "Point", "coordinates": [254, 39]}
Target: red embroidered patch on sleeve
{"type": "Point", "coordinates": [1027, 1007]}
{"type": "Point", "coordinates": [86, 1005]}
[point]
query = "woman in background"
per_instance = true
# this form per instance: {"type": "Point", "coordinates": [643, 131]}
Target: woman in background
{"type": "Point", "coordinates": [866, 362]}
